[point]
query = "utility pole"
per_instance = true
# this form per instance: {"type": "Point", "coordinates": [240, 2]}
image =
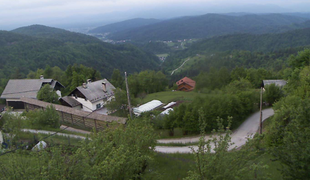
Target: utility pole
{"type": "Point", "coordinates": [128, 97]}
{"type": "Point", "coordinates": [260, 109]}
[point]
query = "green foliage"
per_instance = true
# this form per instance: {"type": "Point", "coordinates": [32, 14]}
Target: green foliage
{"type": "Point", "coordinates": [38, 46]}
{"type": "Point", "coordinates": [43, 118]}
{"type": "Point", "coordinates": [147, 82]}
{"type": "Point", "coordinates": [47, 94]}
{"type": "Point", "coordinates": [116, 153]}
{"type": "Point", "coordinates": [238, 105]}
{"type": "Point", "coordinates": [120, 103]}
{"type": "Point", "coordinates": [272, 94]}
{"type": "Point", "coordinates": [11, 124]}
{"type": "Point", "coordinates": [117, 79]}
{"type": "Point", "coordinates": [213, 161]}
{"type": "Point", "coordinates": [301, 60]}
{"type": "Point", "coordinates": [289, 135]}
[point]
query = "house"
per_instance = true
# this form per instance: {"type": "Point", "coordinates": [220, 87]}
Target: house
{"type": "Point", "coordinates": [186, 84]}
{"type": "Point", "coordinates": [18, 88]}
{"type": "Point", "coordinates": [279, 83]}
{"type": "Point", "coordinates": [90, 96]}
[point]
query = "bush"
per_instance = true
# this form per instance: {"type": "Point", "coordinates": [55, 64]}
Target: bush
{"type": "Point", "coordinates": [44, 118]}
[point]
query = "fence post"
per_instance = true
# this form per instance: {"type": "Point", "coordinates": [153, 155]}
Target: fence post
{"type": "Point", "coordinates": [62, 116]}
{"type": "Point", "coordinates": [95, 124]}
{"type": "Point", "coordinates": [71, 119]}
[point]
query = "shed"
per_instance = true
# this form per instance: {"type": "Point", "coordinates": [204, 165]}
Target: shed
{"type": "Point", "coordinates": [279, 82]}
{"type": "Point", "coordinates": [147, 107]}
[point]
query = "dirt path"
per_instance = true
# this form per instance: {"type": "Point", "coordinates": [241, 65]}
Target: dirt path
{"type": "Point", "coordinates": [180, 66]}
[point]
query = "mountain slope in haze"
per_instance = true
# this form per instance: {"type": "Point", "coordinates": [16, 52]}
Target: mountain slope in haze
{"type": "Point", "coordinates": [41, 31]}
{"type": "Point", "coordinates": [46, 46]}
{"type": "Point", "coordinates": [264, 43]}
{"type": "Point", "coordinates": [124, 25]}
{"type": "Point", "coordinates": [208, 25]}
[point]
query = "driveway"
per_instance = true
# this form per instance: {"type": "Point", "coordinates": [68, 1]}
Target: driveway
{"type": "Point", "coordinates": [239, 137]}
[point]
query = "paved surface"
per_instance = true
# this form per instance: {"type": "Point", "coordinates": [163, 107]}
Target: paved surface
{"type": "Point", "coordinates": [51, 132]}
{"type": "Point", "coordinates": [239, 136]}
{"type": "Point", "coordinates": [74, 130]}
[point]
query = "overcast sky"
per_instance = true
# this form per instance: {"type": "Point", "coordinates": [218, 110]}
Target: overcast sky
{"type": "Point", "coordinates": [16, 13]}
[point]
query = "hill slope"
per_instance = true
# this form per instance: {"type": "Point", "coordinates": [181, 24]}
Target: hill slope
{"type": "Point", "coordinates": [255, 47]}
{"type": "Point", "coordinates": [56, 47]}
{"type": "Point", "coordinates": [124, 25]}
{"type": "Point", "coordinates": [208, 25]}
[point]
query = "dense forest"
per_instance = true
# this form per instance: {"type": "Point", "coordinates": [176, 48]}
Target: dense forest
{"type": "Point", "coordinates": [268, 51]}
{"type": "Point", "coordinates": [37, 46]}
{"type": "Point", "coordinates": [210, 25]}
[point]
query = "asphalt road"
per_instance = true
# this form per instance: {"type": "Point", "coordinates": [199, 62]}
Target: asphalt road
{"type": "Point", "coordinates": [239, 137]}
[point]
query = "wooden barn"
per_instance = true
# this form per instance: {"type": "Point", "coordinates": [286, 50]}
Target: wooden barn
{"type": "Point", "coordinates": [186, 84]}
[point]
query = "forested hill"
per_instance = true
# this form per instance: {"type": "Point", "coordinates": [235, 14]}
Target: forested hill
{"type": "Point", "coordinates": [239, 50]}
{"type": "Point", "coordinates": [208, 25]}
{"type": "Point", "coordinates": [259, 43]}
{"type": "Point", "coordinates": [124, 25]}
{"type": "Point", "coordinates": [21, 53]}
{"type": "Point", "coordinates": [41, 31]}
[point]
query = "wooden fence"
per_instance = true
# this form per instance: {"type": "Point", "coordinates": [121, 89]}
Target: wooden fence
{"type": "Point", "coordinates": [76, 117]}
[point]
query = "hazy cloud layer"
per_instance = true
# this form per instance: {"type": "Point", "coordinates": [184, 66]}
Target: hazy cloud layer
{"type": "Point", "coordinates": [16, 13]}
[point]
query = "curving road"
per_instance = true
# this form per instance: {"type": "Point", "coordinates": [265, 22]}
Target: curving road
{"type": "Point", "coordinates": [239, 137]}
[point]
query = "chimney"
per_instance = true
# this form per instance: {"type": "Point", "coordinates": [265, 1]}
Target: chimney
{"type": "Point", "coordinates": [41, 77]}
{"type": "Point", "coordinates": [88, 81]}
{"type": "Point", "coordinates": [104, 87]}
{"type": "Point", "coordinates": [84, 85]}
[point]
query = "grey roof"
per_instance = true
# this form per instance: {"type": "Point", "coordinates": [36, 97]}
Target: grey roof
{"type": "Point", "coordinates": [17, 88]}
{"type": "Point", "coordinates": [94, 92]}
{"type": "Point", "coordinates": [76, 112]}
{"type": "Point", "coordinates": [71, 101]}
{"type": "Point", "coordinates": [276, 82]}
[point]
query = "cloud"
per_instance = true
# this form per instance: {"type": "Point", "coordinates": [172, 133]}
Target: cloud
{"type": "Point", "coordinates": [50, 11]}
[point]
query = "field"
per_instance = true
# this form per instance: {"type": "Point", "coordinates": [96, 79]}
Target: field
{"type": "Point", "coordinates": [168, 96]}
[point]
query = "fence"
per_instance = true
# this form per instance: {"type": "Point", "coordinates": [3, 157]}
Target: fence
{"type": "Point", "coordinates": [76, 117]}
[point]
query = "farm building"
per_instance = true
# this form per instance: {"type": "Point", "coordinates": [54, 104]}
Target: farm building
{"type": "Point", "coordinates": [29, 88]}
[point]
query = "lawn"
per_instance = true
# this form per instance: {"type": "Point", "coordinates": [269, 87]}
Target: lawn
{"type": "Point", "coordinates": [162, 55]}
{"type": "Point", "coordinates": [169, 96]}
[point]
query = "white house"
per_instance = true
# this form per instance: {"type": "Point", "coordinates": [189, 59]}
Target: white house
{"type": "Point", "coordinates": [90, 96]}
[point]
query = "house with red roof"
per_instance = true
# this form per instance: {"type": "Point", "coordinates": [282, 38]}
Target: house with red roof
{"type": "Point", "coordinates": [186, 84]}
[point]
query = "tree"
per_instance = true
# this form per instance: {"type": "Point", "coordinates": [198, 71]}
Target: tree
{"type": "Point", "coordinates": [301, 60]}
{"type": "Point", "coordinates": [288, 136]}
{"type": "Point", "coordinates": [48, 117]}
{"type": "Point", "coordinates": [117, 79]}
{"type": "Point", "coordinates": [115, 153]}
{"type": "Point", "coordinates": [273, 93]}
{"type": "Point", "coordinates": [214, 161]}
{"type": "Point", "coordinates": [47, 94]}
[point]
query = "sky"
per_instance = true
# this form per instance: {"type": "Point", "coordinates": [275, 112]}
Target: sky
{"type": "Point", "coordinates": [92, 13]}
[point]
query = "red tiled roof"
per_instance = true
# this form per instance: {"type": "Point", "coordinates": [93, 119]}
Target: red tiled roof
{"type": "Point", "coordinates": [187, 81]}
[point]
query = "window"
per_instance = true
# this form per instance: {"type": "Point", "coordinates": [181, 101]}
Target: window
{"type": "Point", "coordinates": [98, 106]}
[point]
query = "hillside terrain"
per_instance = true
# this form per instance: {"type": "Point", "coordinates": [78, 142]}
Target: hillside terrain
{"type": "Point", "coordinates": [33, 47]}
{"type": "Point", "coordinates": [240, 50]}
{"type": "Point", "coordinates": [208, 25]}
{"type": "Point", "coordinates": [124, 25]}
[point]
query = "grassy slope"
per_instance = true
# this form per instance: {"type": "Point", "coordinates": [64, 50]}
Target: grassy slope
{"type": "Point", "coordinates": [168, 96]}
